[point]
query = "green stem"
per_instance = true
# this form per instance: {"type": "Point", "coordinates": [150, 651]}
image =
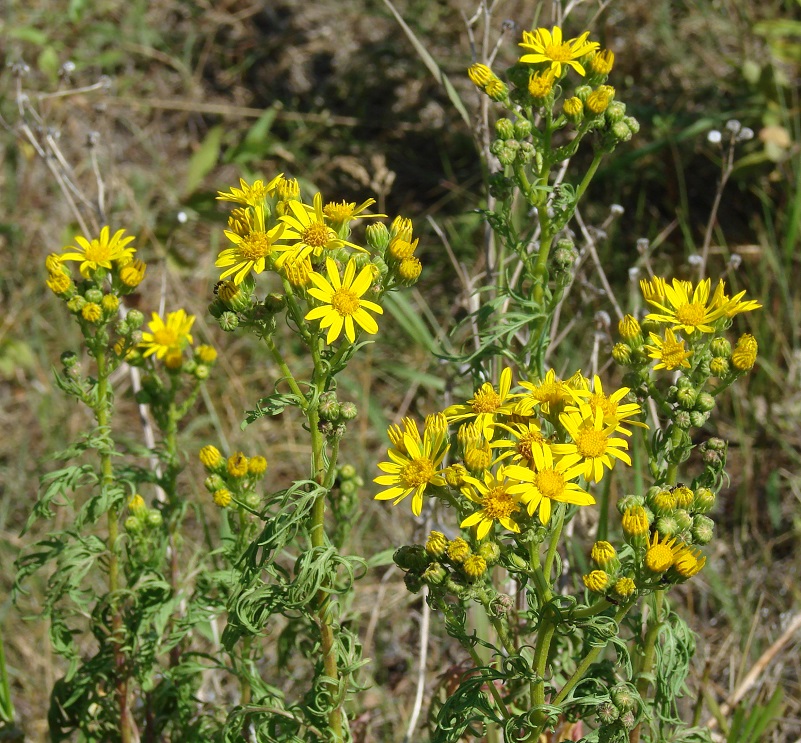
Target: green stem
{"type": "Point", "coordinates": [649, 654]}
{"type": "Point", "coordinates": [588, 176]}
{"type": "Point", "coordinates": [558, 522]}
{"type": "Point", "coordinates": [102, 414]}
{"type": "Point", "coordinates": [290, 379]}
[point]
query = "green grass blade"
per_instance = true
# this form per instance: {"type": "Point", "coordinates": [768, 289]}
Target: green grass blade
{"type": "Point", "coordinates": [429, 62]}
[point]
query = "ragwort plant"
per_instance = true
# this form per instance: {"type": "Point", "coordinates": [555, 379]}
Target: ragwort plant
{"type": "Point", "coordinates": [513, 464]}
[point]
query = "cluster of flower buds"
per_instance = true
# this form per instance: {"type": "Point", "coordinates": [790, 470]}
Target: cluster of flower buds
{"type": "Point", "coordinates": [620, 713]}
{"type": "Point", "coordinates": [233, 479]}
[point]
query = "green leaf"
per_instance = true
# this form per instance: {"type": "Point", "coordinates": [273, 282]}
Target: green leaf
{"type": "Point", "coordinates": [204, 160]}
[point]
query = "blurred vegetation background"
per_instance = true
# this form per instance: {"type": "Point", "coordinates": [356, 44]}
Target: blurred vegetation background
{"type": "Point", "coordinates": [195, 94]}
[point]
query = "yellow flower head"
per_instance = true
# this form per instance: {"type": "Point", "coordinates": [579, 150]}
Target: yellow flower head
{"type": "Point", "coordinates": [668, 351]}
{"type": "Point", "coordinates": [653, 289]}
{"type": "Point", "coordinates": [684, 496]}
{"type": "Point", "coordinates": [59, 283]}
{"type": "Point", "coordinates": [602, 61]}
{"type": "Point", "coordinates": [688, 562]}
{"type": "Point", "coordinates": [252, 251]}
{"type": "Point", "coordinates": [287, 189]}
{"type": "Point", "coordinates": [237, 465]}
{"type": "Point", "coordinates": [458, 550]}
{"type": "Point", "coordinates": [593, 446]}
{"type": "Point", "coordinates": [660, 555]}
{"type": "Point", "coordinates": [248, 195]}
{"type": "Point", "coordinates": [206, 354]}
{"type": "Point", "coordinates": [743, 357]}
{"type": "Point", "coordinates": [573, 107]}
{"type": "Point", "coordinates": [629, 328]}
{"type": "Point", "coordinates": [221, 497]}
{"type": "Point", "coordinates": [485, 404]}
{"type": "Point", "coordinates": [598, 101]}
{"type": "Point", "coordinates": [550, 394]}
{"type": "Point", "coordinates": [297, 271]}
{"type": "Point", "coordinates": [414, 464]}
{"type": "Point", "coordinates": [548, 47]}
{"type": "Point", "coordinates": [410, 269]}
{"type": "Point", "coordinates": [496, 500]}
{"type": "Point", "coordinates": [343, 302]}
{"type": "Point", "coordinates": [732, 306]}
{"type": "Point", "coordinates": [613, 411]}
{"type": "Point", "coordinates": [603, 553]}
{"type": "Point", "coordinates": [474, 566]}
{"type": "Point", "coordinates": [100, 251]}
{"type": "Point", "coordinates": [596, 581]}
{"type": "Point", "coordinates": [308, 231]}
{"type": "Point", "coordinates": [342, 213]}
{"type": "Point", "coordinates": [132, 274]}
{"type": "Point", "coordinates": [480, 75]}
{"type": "Point", "coordinates": [635, 521]}
{"type": "Point", "coordinates": [163, 337]}
{"type": "Point", "coordinates": [686, 308]}
{"type": "Point", "coordinates": [540, 84]}
{"type": "Point", "coordinates": [455, 474]}
{"type": "Point", "coordinates": [436, 544]}
{"type": "Point", "coordinates": [210, 456]}
{"type": "Point", "coordinates": [257, 466]}
{"type": "Point", "coordinates": [547, 481]}
{"type": "Point", "coordinates": [136, 504]}
{"type": "Point", "coordinates": [525, 437]}
{"type": "Point", "coordinates": [624, 587]}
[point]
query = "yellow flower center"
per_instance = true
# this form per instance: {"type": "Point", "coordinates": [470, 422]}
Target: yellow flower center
{"type": "Point", "coordinates": [97, 252]}
{"type": "Point", "coordinates": [339, 212]}
{"type": "Point", "coordinates": [608, 407]}
{"type": "Point", "coordinates": [345, 301]}
{"type": "Point", "coordinates": [559, 52]}
{"type": "Point", "coordinates": [255, 246]}
{"type": "Point", "coordinates": [316, 235]}
{"type": "Point", "coordinates": [417, 472]}
{"type": "Point", "coordinates": [691, 314]}
{"type": "Point", "coordinates": [659, 558]}
{"type": "Point", "coordinates": [498, 504]}
{"type": "Point", "coordinates": [673, 353]}
{"type": "Point", "coordinates": [525, 442]}
{"type": "Point", "coordinates": [550, 483]}
{"type": "Point", "coordinates": [591, 443]}
{"type": "Point", "coordinates": [165, 337]}
{"type": "Point", "coordinates": [486, 400]}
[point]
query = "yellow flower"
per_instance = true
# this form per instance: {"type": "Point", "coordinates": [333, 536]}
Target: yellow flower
{"type": "Point", "coordinates": [624, 587]}
{"type": "Point", "coordinates": [100, 252]}
{"type": "Point", "coordinates": [598, 101]}
{"type": "Point", "coordinates": [596, 581]}
{"type": "Point", "coordinates": [629, 328]}
{"type": "Point", "coordinates": [548, 46]}
{"type": "Point", "coordinates": [345, 212]}
{"type": "Point", "coordinates": [59, 283]}
{"type": "Point", "coordinates": [688, 562]}
{"type": "Point", "coordinates": [91, 312]}
{"type": "Point", "coordinates": [221, 497]}
{"type": "Point", "coordinates": [257, 466]}
{"type": "Point", "coordinates": [251, 195]}
{"type": "Point", "coordinates": [546, 482]}
{"type": "Point", "coordinates": [610, 406]}
{"type": "Point", "coordinates": [237, 465]}
{"type": "Point", "coordinates": [480, 75]}
{"type": "Point", "coordinates": [343, 302]}
{"type": "Point", "coordinates": [685, 308]}
{"type": "Point", "coordinates": [206, 354]}
{"type": "Point", "coordinates": [653, 289]}
{"type": "Point", "coordinates": [496, 501]}
{"type": "Point", "coordinates": [550, 394]}
{"type": "Point", "coordinates": [308, 230]}
{"type": "Point", "coordinates": [410, 269]}
{"type": "Point", "coordinates": [540, 84]}
{"type": "Point", "coordinates": [732, 306]}
{"type": "Point", "coordinates": [485, 404]}
{"type": "Point", "coordinates": [603, 553]}
{"type": "Point", "coordinates": [251, 251]}
{"type": "Point", "coordinates": [573, 107]}
{"type": "Point", "coordinates": [661, 555]}
{"type": "Point", "coordinates": [164, 337]}
{"type": "Point", "coordinates": [415, 465]}
{"type": "Point", "coordinates": [602, 61]}
{"type": "Point", "coordinates": [136, 504]}
{"type": "Point", "coordinates": [287, 189]}
{"type": "Point", "coordinates": [593, 446]}
{"type": "Point", "coordinates": [669, 352]}
{"type": "Point", "coordinates": [458, 550]}
{"type": "Point", "coordinates": [743, 357]}
{"type": "Point", "coordinates": [209, 456]}
{"type": "Point", "coordinates": [132, 274]}
{"type": "Point", "coordinates": [436, 544]}
{"type": "Point", "coordinates": [635, 521]}
{"type": "Point", "coordinates": [525, 436]}
{"type": "Point", "coordinates": [474, 566]}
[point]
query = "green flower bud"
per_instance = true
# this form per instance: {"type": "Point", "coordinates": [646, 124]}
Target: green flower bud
{"type": "Point", "coordinates": [347, 472]}
{"type": "Point", "coordinates": [501, 604]}
{"type": "Point", "coordinates": [583, 92]}
{"type": "Point", "coordinates": [348, 487]}
{"type": "Point", "coordinates": [506, 156]}
{"type": "Point", "coordinates": [154, 519]}
{"type": "Point", "coordinates": [377, 236]}
{"type": "Point", "coordinates": [703, 529]}
{"type": "Point", "coordinates": [329, 406]}
{"type": "Point", "coordinates": [133, 525]}
{"type": "Point", "coordinates": [621, 353]}
{"type": "Point", "coordinates": [607, 713]}
{"type": "Point", "coordinates": [252, 500]}
{"type": "Point", "coordinates": [201, 371]}
{"type": "Point", "coordinates": [348, 411]}
{"type": "Point", "coordinates": [705, 402]}
{"type": "Point", "coordinates": [522, 128]}
{"type": "Point", "coordinates": [629, 501]}
{"type": "Point", "coordinates": [76, 304]}
{"type": "Point", "coordinates": [683, 519]}
{"type": "Point", "coordinates": [213, 483]}
{"type": "Point", "coordinates": [682, 419]}
{"type": "Point", "coordinates": [93, 295]}
{"type": "Point", "coordinates": [628, 719]}
{"type": "Point", "coordinates": [716, 444]}
{"type": "Point", "coordinates": [229, 321]}
{"type": "Point", "coordinates": [697, 418]}
{"type": "Point", "coordinates": [615, 112]}
{"type": "Point", "coordinates": [621, 132]}
{"type": "Point", "coordinates": [667, 526]}
{"type": "Point", "coordinates": [497, 146]}
{"type": "Point", "coordinates": [624, 697]}
{"type": "Point", "coordinates": [490, 551]}
{"type": "Point", "coordinates": [686, 397]}
{"type": "Point", "coordinates": [704, 500]}
{"type": "Point", "coordinates": [122, 328]}
{"type": "Point", "coordinates": [720, 347]}
{"type": "Point", "coordinates": [527, 152]}
{"type": "Point", "coordinates": [435, 574]}
{"type": "Point", "coordinates": [505, 129]}
{"type": "Point", "coordinates": [632, 124]}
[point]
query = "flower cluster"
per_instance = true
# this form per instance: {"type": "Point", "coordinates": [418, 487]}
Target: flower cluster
{"type": "Point", "coordinates": [234, 478]}
{"type": "Point", "coordinates": [663, 530]}
{"type": "Point", "coordinates": [325, 278]}
{"type": "Point", "coordinates": [540, 86]}
{"type": "Point", "coordinates": [514, 454]}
